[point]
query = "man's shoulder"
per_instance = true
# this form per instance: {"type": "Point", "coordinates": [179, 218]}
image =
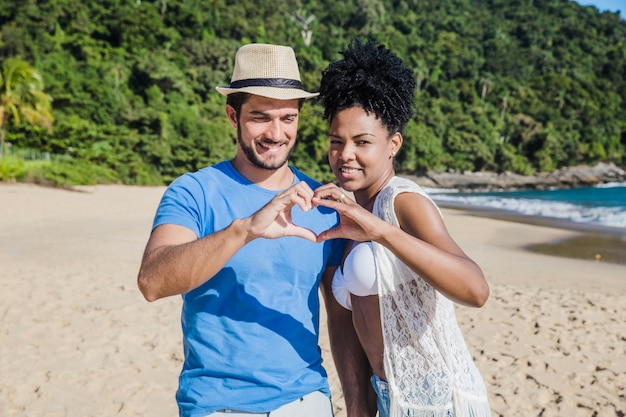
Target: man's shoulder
{"type": "Point", "coordinates": [203, 174]}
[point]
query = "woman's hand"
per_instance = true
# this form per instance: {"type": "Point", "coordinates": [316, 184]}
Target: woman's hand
{"type": "Point", "coordinates": [356, 223]}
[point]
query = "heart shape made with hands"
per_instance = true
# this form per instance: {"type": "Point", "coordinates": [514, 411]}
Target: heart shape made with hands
{"type": "Point", "coordinates": [275, 219]}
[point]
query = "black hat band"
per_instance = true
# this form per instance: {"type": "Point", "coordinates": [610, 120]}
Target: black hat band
{"type": "Point", "coordinates": [267, 82]}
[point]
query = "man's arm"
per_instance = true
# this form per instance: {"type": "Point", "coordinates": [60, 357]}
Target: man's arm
{"type": "Point", "coordinates": [352, 365]}
{"type": "Point", "coordinates": [175, 261]}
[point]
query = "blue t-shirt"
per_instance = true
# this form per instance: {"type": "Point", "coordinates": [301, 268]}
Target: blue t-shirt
{"type": "Point", "coordinates": [250, 333]}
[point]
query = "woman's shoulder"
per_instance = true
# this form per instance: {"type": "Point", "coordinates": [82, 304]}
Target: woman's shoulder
{"type": "Point", "coordinates": [399, 185]}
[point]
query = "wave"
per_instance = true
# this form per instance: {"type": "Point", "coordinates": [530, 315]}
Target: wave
{"type": "Point", "coordinates": [611, 185]}
{"type": "Point", "coordinates": [593, 210]}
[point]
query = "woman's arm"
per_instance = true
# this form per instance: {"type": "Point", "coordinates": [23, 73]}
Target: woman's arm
{"type": "Point", "coordinates": [424, 244]}
{"type": "Point", "coordinates": [351, 363]}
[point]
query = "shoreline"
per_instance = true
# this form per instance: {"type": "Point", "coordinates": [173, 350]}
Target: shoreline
{"type": "Point", "coordinates": [566, 177]}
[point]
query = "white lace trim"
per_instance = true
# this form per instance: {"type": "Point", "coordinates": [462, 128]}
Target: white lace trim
{"type": "Point", "coordinates": [429, 368]}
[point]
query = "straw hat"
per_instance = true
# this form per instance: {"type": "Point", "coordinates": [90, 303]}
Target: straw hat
{"type": "Point", "coordinates": [267, 71]}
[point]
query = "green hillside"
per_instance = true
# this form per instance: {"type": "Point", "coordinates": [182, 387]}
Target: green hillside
{"type": "Point", "coordinates": [503, 85]}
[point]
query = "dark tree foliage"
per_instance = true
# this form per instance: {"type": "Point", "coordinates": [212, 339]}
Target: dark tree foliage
{"type": "Point", "coordinates": [501, 85]}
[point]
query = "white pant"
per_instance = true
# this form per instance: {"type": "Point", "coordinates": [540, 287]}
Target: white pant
{"type": "Point", "coordinates": [315, 404]}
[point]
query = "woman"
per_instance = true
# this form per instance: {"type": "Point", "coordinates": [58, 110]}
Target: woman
{"type": "Point", "coordinates": [402, 281]}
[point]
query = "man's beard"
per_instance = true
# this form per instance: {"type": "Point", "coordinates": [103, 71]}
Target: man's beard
{"type": "Point", "coordinates": [254, 158]}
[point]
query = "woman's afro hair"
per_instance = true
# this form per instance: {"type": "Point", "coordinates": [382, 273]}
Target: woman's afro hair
{"type": "Point", "coordinates": [372, 77]}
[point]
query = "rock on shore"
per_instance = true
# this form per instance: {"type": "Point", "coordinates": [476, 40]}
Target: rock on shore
{"type": "Point", "coordinates": [570, 177]}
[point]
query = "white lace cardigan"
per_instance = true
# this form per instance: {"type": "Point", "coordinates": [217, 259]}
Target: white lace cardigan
{"type": "Point", "coordinates": [429, 368]}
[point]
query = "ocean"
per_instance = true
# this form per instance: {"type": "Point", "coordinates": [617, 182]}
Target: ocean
{"type": "Point", "coordinates": [602, 206]}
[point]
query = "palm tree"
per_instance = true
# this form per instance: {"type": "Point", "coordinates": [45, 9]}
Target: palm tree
{"type": "Point", "coordinates": [304, 22]}
{"type": "Point", "coordinates": [22, 97]}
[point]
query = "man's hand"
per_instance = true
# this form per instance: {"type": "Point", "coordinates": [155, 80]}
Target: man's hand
{"type": "Point", "coordinates": [274, 219]}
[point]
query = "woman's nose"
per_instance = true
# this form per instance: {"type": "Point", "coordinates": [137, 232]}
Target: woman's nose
{"type": "Point", "coordinates": [346, 153]}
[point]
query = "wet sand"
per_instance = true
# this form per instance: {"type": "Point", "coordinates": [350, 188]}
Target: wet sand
{"type": "Point", "coordinates": [589, 242]}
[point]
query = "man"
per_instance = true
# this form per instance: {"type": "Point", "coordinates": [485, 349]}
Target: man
{"type": "Point", "coordinates": [238, 241]}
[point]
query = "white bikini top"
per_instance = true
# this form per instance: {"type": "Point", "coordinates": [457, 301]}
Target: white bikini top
{"type": "Point", "coordinates": [357, 276]}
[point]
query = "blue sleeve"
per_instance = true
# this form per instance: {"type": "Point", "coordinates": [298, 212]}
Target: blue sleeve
{"type": "Point", "coordinates": [181, 206]}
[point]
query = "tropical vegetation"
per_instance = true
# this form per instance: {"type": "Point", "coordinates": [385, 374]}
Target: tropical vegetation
{"type": "Point", "coordinates": [123, 90]}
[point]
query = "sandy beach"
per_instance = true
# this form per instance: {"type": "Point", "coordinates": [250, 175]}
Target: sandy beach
{"type": "Point", "coordinates": [77, 339]}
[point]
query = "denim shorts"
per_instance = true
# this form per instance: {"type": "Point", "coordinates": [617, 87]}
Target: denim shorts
{"type": "Point", "coordinates": [382, 395]}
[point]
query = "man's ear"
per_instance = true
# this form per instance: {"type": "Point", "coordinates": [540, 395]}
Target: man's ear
{"type": "Point", "coordinates": [231, 113]}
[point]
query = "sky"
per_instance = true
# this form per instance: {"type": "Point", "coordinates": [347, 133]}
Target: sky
{"type": "Point", "coordinates": [602, 5]}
